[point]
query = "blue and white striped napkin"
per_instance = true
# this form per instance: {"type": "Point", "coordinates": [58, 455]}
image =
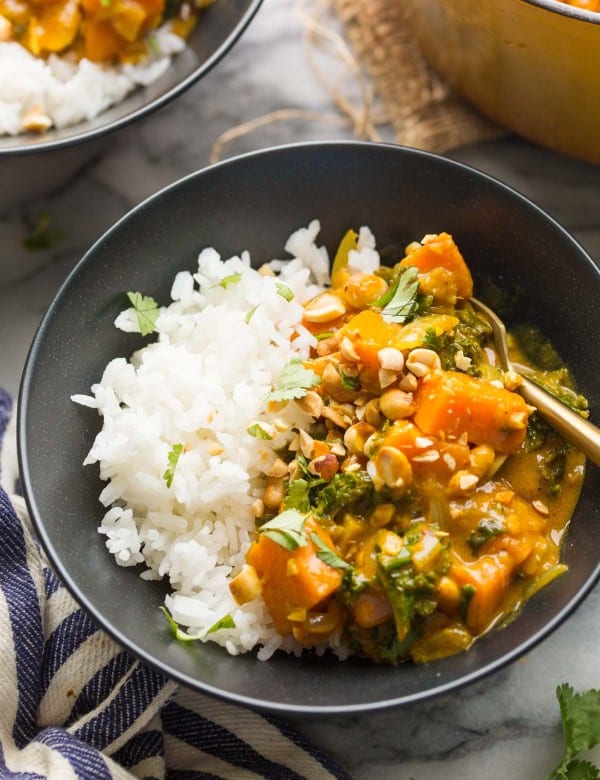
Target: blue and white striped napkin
{"type": "Point", "coordinates": [74, 704]}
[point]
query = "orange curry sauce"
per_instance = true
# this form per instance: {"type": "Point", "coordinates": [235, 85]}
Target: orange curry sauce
{"type": "Point", "coordinates": [99, 30]}
{"type": "Point", "coordinates": [424, 518]}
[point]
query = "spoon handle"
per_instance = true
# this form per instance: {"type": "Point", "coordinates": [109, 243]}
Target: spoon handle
{"type": "Point", "coordinates": [578, 431]}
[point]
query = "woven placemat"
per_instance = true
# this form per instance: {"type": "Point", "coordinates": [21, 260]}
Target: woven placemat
{"type": "Point", "coordinates": [423, 110]}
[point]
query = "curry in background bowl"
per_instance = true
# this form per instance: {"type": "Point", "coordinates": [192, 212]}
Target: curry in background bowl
{"type": "Point", "coordinates": [248, 203]}
{"type": "Point", "coordinates": [82, 70]}
{"type": "Point", "coordinates": [532, 66]}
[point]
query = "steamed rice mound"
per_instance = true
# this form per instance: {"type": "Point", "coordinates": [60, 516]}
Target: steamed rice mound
{"type": "Point", "coordinates": [37, 93]}
{"type": "Point", "coordinates": [222, 344]}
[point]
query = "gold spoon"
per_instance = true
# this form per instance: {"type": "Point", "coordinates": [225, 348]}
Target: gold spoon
{"type": "Point", "coordinates": [573, 427]}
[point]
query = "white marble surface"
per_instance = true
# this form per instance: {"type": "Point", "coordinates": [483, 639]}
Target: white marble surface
{"type": "Point", "coordinates": [504, 727]}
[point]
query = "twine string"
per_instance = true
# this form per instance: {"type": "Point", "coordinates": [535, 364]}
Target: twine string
{"type": "Point", "coordinates": [379, 77]}
{"type": "Point", "coordinates": [320, 40]}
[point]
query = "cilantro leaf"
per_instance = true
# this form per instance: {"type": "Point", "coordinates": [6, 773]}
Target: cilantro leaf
{"type": "Point", "coordinates": [146, 311]}
{"type": "Point", "coordinates": [172, 460]}
{"type": "Point", "coordinates": [400, 303]}
{"type": "Point", "coordinates": [287, 529]}
{"type": "Point", "coordinates": [153, 44]}
{"type": "Point", "coordinates": [580, 715]}
{"type": "Point", "coordinates": [293, 382]}
{"type": "Point", "coordinates": [227, 281]}
{"type": "Point", "coordinates": [177, 632]}
{"type": "Point", "coordinates": [349, 382]}
{"type": "Point", "coordinates": [328, 556]}
{"type": "Point", "coordinates": [297, 496]}
{"type": "Point", "coordinates": [581, 770]}
{"type": "Point", "coordinates": [225, 622]}
{"type": "Point", "coordinates": [326, 335]}
{"type": "Point", "coordinates": [250, 313]}
{"type": "Point", "coordinates": [284, 291]}
{"type": "Point", "coordinates": [258, 431]}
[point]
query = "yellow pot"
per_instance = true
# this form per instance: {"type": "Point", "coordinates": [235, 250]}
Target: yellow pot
{"type": "Point", "coordinates": [530, 65]}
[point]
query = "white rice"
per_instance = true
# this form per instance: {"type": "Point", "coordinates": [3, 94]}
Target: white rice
{"type": "Point", "coordinates": [203, 383]}
{"type": "Point", "coordinates": [68, 92]}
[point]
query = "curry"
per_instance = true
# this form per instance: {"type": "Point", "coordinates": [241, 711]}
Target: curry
{"type": "Point", "coordinates": [102, 31]}
{"type": "Point", "coordinates": [425, 502]}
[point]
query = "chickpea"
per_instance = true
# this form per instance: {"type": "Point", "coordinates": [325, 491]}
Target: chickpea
{"type": "Point", "coordinates": [396, 404]}
{"type": "Point", "coordinates": [392, 468]}
{"type": "Point", "coordinates": [274, 492]}
{"type": "Point", "coordinates": [356, 437]}
{"type": "Point", "coordinates": [362, 289]}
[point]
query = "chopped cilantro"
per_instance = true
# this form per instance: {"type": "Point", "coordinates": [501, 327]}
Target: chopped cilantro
{"type": "Point", "coordinates": [250, 313]}
{"type": "Point", "coordinates": [297, 496]}
{"type": "Point", "coordinates": [153, 44]}
{"type": "Point", "coordinates": [287, 529]}
{"type": "Point", "coordinates": [399, 303]}
{"type": "Point", "coordinates": [326, 335]}
{"type": "Point", "coordinates": [258, 431]}
{"type": "Point", "coordinates": [172, 459]}
{"type": "Point", "coordinates": [328, 556]}
{"type": "Point", "coordinates": [146, 311]}
{"type": "Point", "coordinates": [227, 281]}
{"type": "Point", "coordinates": [284, 291]}
{"type": "Point", "coordinates": [349, 382]}
{"type": "Point", "coordinates": [293, 382]}
{"type": "Point", "coordinates": [225, 622]}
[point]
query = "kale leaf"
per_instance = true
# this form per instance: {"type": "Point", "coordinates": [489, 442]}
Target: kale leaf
{"type": "Point", "coordinates": [469, 336]}
{"type": "Point", "coordinates": [343, 491]}
{"type": "Point", "coordinates": [488, 528]}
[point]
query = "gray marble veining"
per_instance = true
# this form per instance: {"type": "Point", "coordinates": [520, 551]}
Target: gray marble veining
{"type": "Point", "coordinates": [506, 726]}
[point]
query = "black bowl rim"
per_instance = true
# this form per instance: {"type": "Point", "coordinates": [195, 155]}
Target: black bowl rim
{"type": "Point", "coordinates": [153, 105]}
{"type": "Point", "coordinates": [564, 9]}
{"type": "Point", "coordinates": [139, 652]}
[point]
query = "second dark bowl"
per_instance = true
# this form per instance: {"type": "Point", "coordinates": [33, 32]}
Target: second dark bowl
{"type": "Point", "coordinates": [218, 28]}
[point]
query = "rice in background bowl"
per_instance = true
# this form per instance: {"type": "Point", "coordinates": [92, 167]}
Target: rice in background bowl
{"type": "Point", "coordinates": [218, 29]}
{"type": "Point", "coordinates": [37, 94]}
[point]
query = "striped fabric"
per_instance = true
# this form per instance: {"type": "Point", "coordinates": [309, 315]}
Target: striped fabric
{"type": "Point", "coordinates": [74, 704]}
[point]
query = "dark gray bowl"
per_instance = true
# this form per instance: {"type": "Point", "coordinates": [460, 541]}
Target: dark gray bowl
{"type": "Point", "coordinates": [218, 29]}
{"type": "Point", "coordinates": [254, 202]}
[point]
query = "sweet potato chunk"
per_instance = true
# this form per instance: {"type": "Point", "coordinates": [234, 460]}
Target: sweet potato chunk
{"type": "Point", "coordinates": [443, 272]}
{"type": "Point", "coordinates": [454, 404]}
{"type": "Point", "coordinates": [489, 579]}
{"type": "Point", "coordinates": [293, 580]}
